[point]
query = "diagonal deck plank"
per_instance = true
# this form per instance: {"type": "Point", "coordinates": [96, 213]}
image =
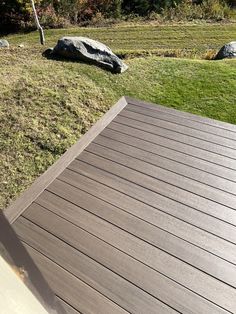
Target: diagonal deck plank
{"type": "Point", "coordinates": [139, 216]}
{"type": "Point", "coordinates": [193, 171]}
{"type": "Point", "coordinates": [152, 169]}
{"type": "Point", "coordinates": [190, 136]}
{"type": "Point", "coordinates": [217, 155]}
{"type": "Point", "coordinates": [161, 189]}
{"type": "Point", "coordinates": [182, 127]}
{"type": "Point", "coordinates": [179, 210]}
{"type": "Point", "coordinates": [176, 246]}
{"type": "Point", "coordinates": [181, 115]}
{"type": "Point", "coordinates": [110, 201]}
{"type": "Point", "coordinates": [86, 299]}
{"type": "Point", "coordinates": [97, 276]}
{"type": "Point", "coordinates": [152, 281]}
{"type": "Point", "coordinates": [67, 307]}
{"type": "Point", "coordinates": [182, 121]}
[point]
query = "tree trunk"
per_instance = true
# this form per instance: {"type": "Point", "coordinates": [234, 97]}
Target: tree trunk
{"type": "Point", "coordinates": [39, 27]}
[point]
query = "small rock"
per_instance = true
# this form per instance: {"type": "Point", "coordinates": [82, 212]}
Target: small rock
{"type": "Point", "coordinates": [4, 43]}
{"type": "Point", "coordinates": [227, 51]}
{"type": "Point", "coordinates": [21, 46]}
{"type": "Point", "coordinates": [89, 51]}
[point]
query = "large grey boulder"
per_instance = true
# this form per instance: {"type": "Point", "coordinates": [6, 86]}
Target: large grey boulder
{"type": "Point", "coordinates": [89, 51]}
{"type": "Point", "coordinates": [227, 51]}
{"type": "Point", "coordinates": [4, 43]}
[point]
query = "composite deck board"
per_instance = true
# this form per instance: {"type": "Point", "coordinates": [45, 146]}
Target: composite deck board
{"type": "Point", "coordinates": [146, 213]}
{"type": "Point", "coordinates": [179, 210]}
{"type": "Point", "coordinates": [139, 216]}
{"type": "Point", "coordinates": [85, 300]}
{"type": "Point", "coordinates": [167, 159]}
{"type": "Point", "coordinates": [193, 255]}
{"type": "Point", "coordinates": [181, 121]}
{"type": "Point", "coordinates": [162, 189]}
{"type": "Point", "coordinates": [67, 307]}
{"type": "Point", "coordinates": [89, 271]}
{"type": "Point", "coordinates": [152, 281]}
{"type": "Point", "coordinates": [182, 114]}
{"type": "Point", "coordinates": [181, 158]}
{"type": "Point", "coordinates": [167, 266]}
{"type": "Point", "coordinates": [184, 133]}
{"type": "Point", "coordinates": [188, 137]}
{"type": "Point", "coordinates": [153, 169]}
{"type": "Point", "coordinates": [192, 151]}
{"type": "Point", "coordinates": [218, 151]}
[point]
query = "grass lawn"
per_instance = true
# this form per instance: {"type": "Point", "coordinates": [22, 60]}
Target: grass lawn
{"type": "Point", "coordinates": [46, 105]}
{"type": "Point", "coordinates": [162, 40]}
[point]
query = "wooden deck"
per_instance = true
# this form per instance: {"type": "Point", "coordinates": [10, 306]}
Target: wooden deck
{"type": "Point", "coordinates": [139, 216]}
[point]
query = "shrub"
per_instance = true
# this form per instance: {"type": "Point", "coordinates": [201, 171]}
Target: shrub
{"type": "Point", "coordinates": [207, 10]}
{"type": "Point", "coordinates": [50, 19]}
{"type": "Point", "coordinates": [215, 9]}
{"type": "Point", "coordinates": [107, 8]}
{"type": "Point", "coordinates": [83, 10]}
{"type": "Point", "coordinates": [17, 14]}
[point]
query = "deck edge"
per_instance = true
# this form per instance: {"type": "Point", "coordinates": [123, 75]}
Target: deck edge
{"type": "Point", "coordinates": [185, 114]}
{"type": "Point", "coordinates": [18, 206]}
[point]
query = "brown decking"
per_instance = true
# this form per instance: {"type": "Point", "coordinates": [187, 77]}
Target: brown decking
{"type": "Point", "coordinates": [139, 216]}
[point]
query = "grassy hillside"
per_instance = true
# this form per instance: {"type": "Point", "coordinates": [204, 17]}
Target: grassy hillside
{"type": "Point", "coordinates": [46, 105]}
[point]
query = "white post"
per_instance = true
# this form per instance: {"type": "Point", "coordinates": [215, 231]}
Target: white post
{"type": "Point", "coordinates": [15, 297]}
{"type": "Point", "coordinates": [39, 27]}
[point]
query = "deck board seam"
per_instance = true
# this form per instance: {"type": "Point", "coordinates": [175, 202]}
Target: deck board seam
{"type": "Point", "coordinates": [165, 157]}
{"type": "Point", "coordinates": [55, 262]}
{"type": "Point", "coordinates": [176, 132]}
{"type": "Point", "coordinates": [179, 151]}
{"type": "Point", "coordinates": [172, 149]}
{"type": "Point", "coordinates": [155, 208]}
{"type": "Point", "coordinates": [177, 113]}
{"type": "Point", "coordinates": [147, 188]}
{"type": "Point", "coordinates": [158, 166]}
{"type": "Point", "coordinates": [117, 226]}
{"type": "Point", "coordinates": [107, 268]}
{"type": "Point", "coordinates": [132, 109]}
{"type": "Point", "coordinates": [64, 301]}
{"type": "Point", "coordinates": [166, 276]}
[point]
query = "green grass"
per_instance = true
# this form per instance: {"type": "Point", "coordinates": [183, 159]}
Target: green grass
{"type": "Point", "coordinates": [173, 40]}
{"type": "Point", "coordinates": [46, 105]}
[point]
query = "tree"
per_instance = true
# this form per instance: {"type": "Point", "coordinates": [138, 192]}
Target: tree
{"type": "Point", "coordinates": [13, 15]}
{"type": "Point", "coordinates": [39, 27]}
{"type": "Point", "coordinates": [70, 9]}
{"type": "Point", "coordinates": [114, 8]}
{"type": "Point", "coordinates": [140, 7]}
